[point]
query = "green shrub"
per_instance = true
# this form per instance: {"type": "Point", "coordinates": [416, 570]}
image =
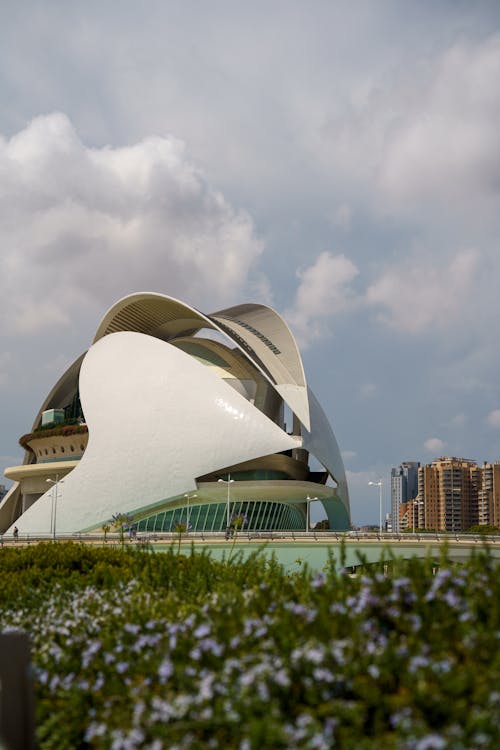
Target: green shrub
{"type": "Point", "coordinates": [140, 650]}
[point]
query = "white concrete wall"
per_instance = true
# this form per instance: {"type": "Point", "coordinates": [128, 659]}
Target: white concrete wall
{"type": "Point", "coordinates": [157, 419]}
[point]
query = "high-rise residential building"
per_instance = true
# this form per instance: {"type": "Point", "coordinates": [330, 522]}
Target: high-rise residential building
{"type": "Point", "coordinates": [448, 492]}
{"type": "Point", "coordinates": [451, 494]}
{"type": "Point", "coordinates": [404, 487]}
{"type": "Point", "coordinates": [489, 495]}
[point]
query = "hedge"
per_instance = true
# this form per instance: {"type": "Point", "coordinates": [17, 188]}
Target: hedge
{"type": "Point", "coordinates": [139, 650]}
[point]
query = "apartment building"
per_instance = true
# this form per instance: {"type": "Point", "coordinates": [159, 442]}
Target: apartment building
{"type": "Point", "coordinates": [448, 492]}
{"type": "Point", "coordinates": [404, 487]}
{"type": "Point", "coordinates": [451, 494]}
{"type": "Point", "coordinates": [489, 495]}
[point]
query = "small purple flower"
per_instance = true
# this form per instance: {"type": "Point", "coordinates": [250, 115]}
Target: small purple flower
{"type": "Point", "coordinates": [431, 742]}
{"type": "Point", "coordinates": [165, 670]}
{"type": "Point", "coordinates": [202, 631]}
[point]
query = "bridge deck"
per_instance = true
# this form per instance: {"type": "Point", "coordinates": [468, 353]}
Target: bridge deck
{"type": "Point", "coordinates": [299, 548]}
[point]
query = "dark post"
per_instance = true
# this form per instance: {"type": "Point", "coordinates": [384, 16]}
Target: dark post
{"type": "Point", "coordinates": [17, 702]}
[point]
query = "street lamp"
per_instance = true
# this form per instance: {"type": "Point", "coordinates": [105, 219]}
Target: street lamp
{"type": "Point", "coordinates": [379, 485]}
{"type": "Point", "coordinates": [188, 496]}
{"type": "Point", "coordinates": [53, 507]}
{"type": "Point", "coordinates": [229, 482]}
{"type": "Point", "coordinates": [308, 500]}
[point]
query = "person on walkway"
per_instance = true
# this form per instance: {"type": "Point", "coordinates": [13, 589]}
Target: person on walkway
{"type": "Point", "coordinates": [15, 533]}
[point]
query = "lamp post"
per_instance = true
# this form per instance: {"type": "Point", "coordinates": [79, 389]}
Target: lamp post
{"type": "Point", "coordinates": [379, 485]}
{"type": "Point", "coordinates": [188, 496]}
{"type": "Point", "coordinates": [308, 500]}
{"type": "Point", "coordinates": [53, 508]}
{"type": "Point", "coordinates": [229, 482]}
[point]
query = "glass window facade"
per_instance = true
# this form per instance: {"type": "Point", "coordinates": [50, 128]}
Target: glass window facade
{"type": "Point", "coordinates": [261, 516]}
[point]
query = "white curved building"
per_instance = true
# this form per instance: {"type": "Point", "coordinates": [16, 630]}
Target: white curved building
{"type": "Point", "coordinates": [176, 416]}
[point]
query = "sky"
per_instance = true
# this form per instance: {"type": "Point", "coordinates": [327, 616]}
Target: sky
{"type": "Point", "coordinates": [339, 161]}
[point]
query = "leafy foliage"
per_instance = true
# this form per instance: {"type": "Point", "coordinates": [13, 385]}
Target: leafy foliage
{"type": "Point", "coordinates": [484, 529]}
{"type": "Point", "coordinates": [121, 522]}
{"type": "Point", "coordinates": [139, 650]}
{"type": "Point", "coordinates": [66, 428]}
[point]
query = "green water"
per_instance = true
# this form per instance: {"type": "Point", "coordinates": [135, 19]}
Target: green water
{"type": "Point", "coordinates": [316, 554]}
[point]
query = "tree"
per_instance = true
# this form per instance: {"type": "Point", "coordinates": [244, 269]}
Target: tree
{"type": "Point", "coordinates": [484, 529]}
{"type": "Point", "coordinates": [323, 525]}
{"type": "Point", "coordinates": [122, 521]}
{"type": "Point", "coordinates": [237, 523]}
{"type": "Point", "coordinates": [181, 527]}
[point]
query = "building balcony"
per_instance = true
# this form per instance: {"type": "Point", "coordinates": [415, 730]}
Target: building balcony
{"type": "Point", "coordinates": [61, 443]}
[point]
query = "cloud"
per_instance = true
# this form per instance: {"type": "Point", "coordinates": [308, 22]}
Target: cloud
{"type": "Point", "coordinates": [418, 140]}
{"type": "Point", "coordinates": [364, 499]}
{"type": "Point", "coordinates": [7, 460]}
{"type": "Point", "coordinates": [434, 445]}
{"type": "Point", "coordinates": [367, 390]}
{"type": "Point", "coordinates": [5, 364]}
{"type": "Point", "coordinates": [341, 216]}
{"type": "Point", "coordinates": [422, 293]}
{"type": "Point", "coordinates": [493, 418]}
{"type": "Point", "coordinates": [348, 455]}
{"type": "Point", "coordinates": [358, 481]}
{"type": "Point", "coordinates": [260, 288]}
{"type": "Point", "coordinates": [324, 291]}
{"type": "Point", "coordinates": [82, 226]}
{"type": "Point", "coordinates": [445, 147]}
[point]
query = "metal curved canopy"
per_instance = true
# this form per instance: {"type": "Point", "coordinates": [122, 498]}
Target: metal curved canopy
{"type": "Point", "coordinates": [257, 330]}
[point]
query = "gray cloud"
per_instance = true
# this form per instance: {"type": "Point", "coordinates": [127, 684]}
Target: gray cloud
{"type": "Point", "coordinates": [324, 291]}
{"type": "Point", "coordinates": [420, 294]}
{"type": "Point", "coordinates": [82, 226]}
{"type": "Point", "coordinates": [434, 445]}
{"type": "Point", "coordinates": [445, 151]}
{"type": "Point", "coordinates": [493, 418]}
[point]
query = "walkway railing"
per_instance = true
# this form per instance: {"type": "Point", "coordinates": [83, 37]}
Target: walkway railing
{"type": "Point", "coordinates": [255, 536]}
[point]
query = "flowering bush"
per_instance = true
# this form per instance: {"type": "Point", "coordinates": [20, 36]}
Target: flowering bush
{"type": "Point", "coordinates": [135, 650]}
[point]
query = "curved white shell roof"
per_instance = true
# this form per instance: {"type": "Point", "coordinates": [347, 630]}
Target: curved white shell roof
{"type": "Point", "coordinates": [257, 330]}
